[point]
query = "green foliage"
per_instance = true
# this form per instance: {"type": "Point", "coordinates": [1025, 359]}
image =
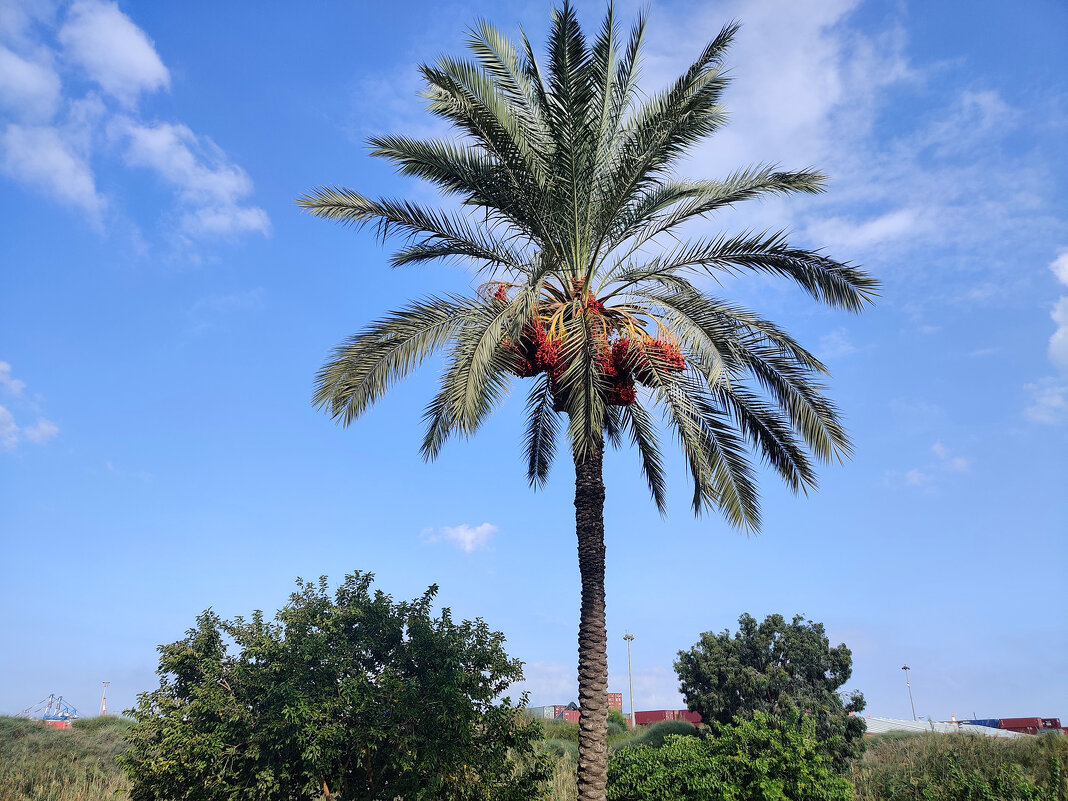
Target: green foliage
{"type": "Point", "coordinates": [39, 763]}
{"type": "Point", "coordinates": [755, 759]}
{"type": "Point", "coordinates": [351, 695]}
{"type": "Point", "coordinates": [617, 724]}
{"type": "Point", "coordinates": [656, 735]}
{"type": "Point", "coordinates": [566, 200]}
{"type": "Point", "coordinates": [558, 729]}
{"type": "Point", "coordinates": [771, 667]}
{"type": "Point", "coordinates": [962, 767]}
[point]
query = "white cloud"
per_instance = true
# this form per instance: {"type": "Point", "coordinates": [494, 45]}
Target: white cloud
{"type": "Point", "coordinates": [51, 138]}
{"type": "Point", "coordinates": [466, 538]}
{"type": "Point", "coordinates": [42, 157]}
{"type": "Point", "coordinates": [200, 173]}
{"type": "Point", "coordinates": [9, 382]}
{"type": "Point", "coordinates": [1058, 343]}
{"type": "Point", "coordinates": [855, 236]}
{"type": "Point", "coordinates": [41, 431]}
{"type": "Point", "coordinates": [916, 477]}
{"type": "Point", "coordinates": [1049, 402]}
{"type": "Point", "coordinates": [28, 89]}
{"type": "Point", "coordinates": [113, 51]}
{"type": "Point", "coordinates": [1059, 267]}
{"type": "Point", "coordinates": [9, 431]}
{"type": "Point", "coordinates": [956, 464]}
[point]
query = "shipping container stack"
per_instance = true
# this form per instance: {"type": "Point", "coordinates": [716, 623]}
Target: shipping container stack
{"type": "Point", "coordinates": [1020, 725]}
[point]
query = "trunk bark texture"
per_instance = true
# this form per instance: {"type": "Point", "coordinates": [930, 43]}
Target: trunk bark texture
{"type": "Point", "coordinates": [592, 642]}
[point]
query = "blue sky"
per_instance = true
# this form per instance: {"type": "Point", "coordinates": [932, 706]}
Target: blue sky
{"type": "Point", "coordinates": [163, 309]}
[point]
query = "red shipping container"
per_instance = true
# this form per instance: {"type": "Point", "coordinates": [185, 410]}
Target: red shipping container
{"type": "Point", "coordinates": [654, 716]}
{"type": "Point", "coordinates": [558, 709]}
{"type": "Point", "coordinates": [692, 717]}
{"type": "Point", "coordinates": [571, 715]}
{"type": "Point", "coordinates": [1051, 723]}
{"type": "Point", "coordinates": [58, 724]}
{"type": "Point", "coordinates": [1019, 723]}
{"type": "Point", "coordinates": [615, 701]}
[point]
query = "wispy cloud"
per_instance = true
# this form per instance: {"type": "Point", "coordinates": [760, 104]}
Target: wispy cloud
{"type": "Point", "coordinates": [28, 87]}
{"type": "Point", "coordinates": [835, 345]}
{"type": "Point", "coordinates": [209, 187]}
{"type": "Point", "coordinates": [112, 50]}
{"type": "Point", "coordinates": [1048, 397]}
{"type": "Point", "coordinates": [50, 137]}
{"type": "Point", "coordinates": [928, 474]}
{"type": "Point", "coordinates": [1047, 401]}
{"type": "Point", "coordinates": [45, 158]}
{"type": "Point", "coordinates": [9, 383]}
{"type": "Point", "coordinates": [11, 433]}
{"type": "Point", "coordinates": [466, 538]}
{"type": "Point", "coordinates": [949, 461]}
{"type": "Point", "coordinates": [206, 312]}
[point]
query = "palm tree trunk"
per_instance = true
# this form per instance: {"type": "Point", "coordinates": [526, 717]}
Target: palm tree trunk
{"type": "Point", "coordinates": [592, 642]}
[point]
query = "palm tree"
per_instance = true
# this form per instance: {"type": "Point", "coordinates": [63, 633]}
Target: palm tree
{"type": "Point", "coordinates": [563, 177]}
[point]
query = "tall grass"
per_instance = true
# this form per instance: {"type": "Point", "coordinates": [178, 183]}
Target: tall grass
{"type": "Point", "coordinates": [39, 763]}
{"type": "Point", "coordinates": [962, 767]}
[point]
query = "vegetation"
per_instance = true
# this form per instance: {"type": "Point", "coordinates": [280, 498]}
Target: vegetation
{"type": "Point", "coordinates": [570, 209]}
{"type": "Point", "coordinates": [752, 759]}
{"type": "Point", "coordinates": [43, 764]}
{"type": "Point", "coordinates": [351, 695]}
{"type": "Point", "coordinates": [771, 667]}
{"type": "Point", "coordinates": [39, 763]}
{"type": "Point", "coordinates": [962, 767]}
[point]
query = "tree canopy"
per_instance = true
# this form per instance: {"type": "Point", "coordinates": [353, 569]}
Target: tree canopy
{"type": "Point", "coordinates": [773, 667]}
{"type": "Point", "coordinates": [353, 696]}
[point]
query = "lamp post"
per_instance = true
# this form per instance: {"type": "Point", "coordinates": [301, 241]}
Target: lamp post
{"type": "Point", "coordinates": [630, 674]}
{"type": "Point", "coordinates": [906, 669]}
{"type": "Point", "coordinates": [104, 699]}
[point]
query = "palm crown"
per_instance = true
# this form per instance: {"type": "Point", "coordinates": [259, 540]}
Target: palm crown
{"type": "Point", "coordinates": [564, 181]}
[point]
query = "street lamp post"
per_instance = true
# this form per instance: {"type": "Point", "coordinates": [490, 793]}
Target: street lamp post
{"type": "Point", "coordinates": [906, 669]}
{"type": "Point", "coordinates": [104, 699]}
{"type": "Point", "coordinates": [630, 674]}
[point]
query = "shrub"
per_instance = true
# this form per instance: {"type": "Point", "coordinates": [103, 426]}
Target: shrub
{"type": "Point", "coordinates": [757, 759]}
{"type": "Point", "coordinates": [351, 695]}
{"type": "Point", "coordinates": [656, 735]}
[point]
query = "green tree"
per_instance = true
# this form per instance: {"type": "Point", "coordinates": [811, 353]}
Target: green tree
{"type": "Point", "coordinates": [772, 667]}
{"type": "Point", "coordinates": [569, 209]}
{"type": "Point", "coordinates": [755, 759]}
{"type": "Point", "coordinates": [351, 695]}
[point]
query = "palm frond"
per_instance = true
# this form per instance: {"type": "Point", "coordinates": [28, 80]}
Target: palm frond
{"type": "Point", "coordinates": [364, 367]}
{"type": "Point", "coordinates": [643, 435]}
{"type": "Point", "coordinates": [542, 426]}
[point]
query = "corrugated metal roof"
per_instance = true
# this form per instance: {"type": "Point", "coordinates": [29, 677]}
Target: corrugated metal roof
{"type": "Point", "coordinates": [883, 725]}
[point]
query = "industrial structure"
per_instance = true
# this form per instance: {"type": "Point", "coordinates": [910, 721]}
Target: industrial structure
{"type": "Point", "coordinates": [52, 711]}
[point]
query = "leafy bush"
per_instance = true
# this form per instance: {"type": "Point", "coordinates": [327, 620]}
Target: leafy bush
{"type": "Point", "coordinates": [656, 735]}
{"type": "Point", "coordinates": [962, 767]}
{"type": "Point", "coordinates": [351, 695]}
{"type": "Point", "coordinates": [757, 759]}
